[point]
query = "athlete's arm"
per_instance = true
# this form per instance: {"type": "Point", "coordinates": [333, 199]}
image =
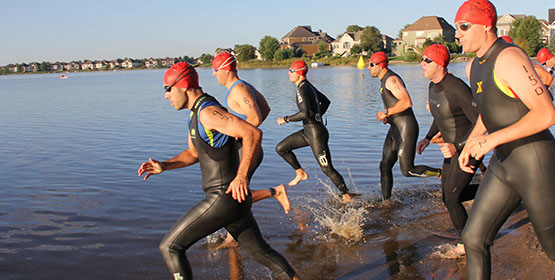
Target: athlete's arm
{"type": "Point", "coordinates": [263, 105]}
{"type": "Point", "coordinates": [423, 144]}
{"type": "Point", "coordinates": [303, 102]}
{"type": "Point", "coordinates": [243, 102]}
{"type": "Point", "coordinates": [514, 69]}
{"type": "Point", "coordinates": [395, 85]}
{"type": "Point", "coordinates": [215, 118]}
{"type": "Point", "coordinates": [464, 157]}
{"type": "Point", "coordinates": [545, 76]}
{"type": "Point", "coordinates": [464, 99]}
{"type": "Point", "coordinates": [185, 158]}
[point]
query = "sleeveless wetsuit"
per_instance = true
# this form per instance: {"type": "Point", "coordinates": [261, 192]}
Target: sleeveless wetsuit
{"type": "Point", "coordinates": [312, 104]}
{"type": "Point", "coordinates": [400, 143]}
{"type": "Point", "coordinates": [521, 170]}
{"type": "Point", "coordinates": [455, 113]}
{"type": "Point", "coordinates": [252, 91]}
{"type": "Point", "coordinates": [218, 163]}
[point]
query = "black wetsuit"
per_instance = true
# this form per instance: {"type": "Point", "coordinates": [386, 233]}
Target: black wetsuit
{"type": "Point", "coordinates": [455, 113]}
{"type": "Point", "coordinates": [218, 209]}
{"type": "Point", "coordinates": [521, 170]}
{"type": "Point", "coordinates": [400, 143]}
{"type": "Point", "coordinates": [312, 105]}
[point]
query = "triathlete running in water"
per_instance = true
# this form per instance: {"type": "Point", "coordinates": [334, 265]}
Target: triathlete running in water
{"type": "Point", "coordinates": [455, 113]}
{"type": "Point", "coordinates": [516, 113]}
{"type": "Point", "coordinates": [546, 59]}
{"type": "Point", "coordinates": [246, 102]}
{"type": "Point", "coordinates": [312, 105]}
{"type": "Point", "coordinates": [400, 142]}
{"type": "Point", "coordinates": [212, 134]}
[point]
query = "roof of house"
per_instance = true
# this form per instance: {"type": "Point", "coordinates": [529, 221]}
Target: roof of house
{"type": "Point", "coordinates": [429, 23]}
{"type": "Point", "coordinates": [551, 16]}
{"type": "Point", "coordinates": [306, 31]}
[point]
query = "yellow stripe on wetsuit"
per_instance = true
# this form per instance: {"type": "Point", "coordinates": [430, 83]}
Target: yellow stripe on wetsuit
{"type": "Point", "coordinates": [505, 89]}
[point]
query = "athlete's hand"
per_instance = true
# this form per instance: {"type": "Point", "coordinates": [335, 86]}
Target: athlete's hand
{"type": "Point", "coordinates": [479, 146]}
{"type": "Point", "coordinates": [447, 149]}
{"type": "Point", "coordinates": [382, 117]}
{"type": "Point", "coordinates": [152, 167]}
{"type": "Point", "coordinates": [281, 121]}
{"type": "Point", "coordinates": [464, 160]}
{"type": "Point", "coordinates": [239, 188]}
{"type": "Point", "coordinates": [421, 146]}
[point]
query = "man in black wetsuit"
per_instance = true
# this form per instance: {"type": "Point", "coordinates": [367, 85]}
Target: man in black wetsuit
{"type": "Point", "coordinates": [455, 113]}
{"type": "Point", "coordinates": [312, 105]}
{"type": "Point", "coordinates": [516, 113]}
{"type": "Point", "coordinates": [212, 133]}
{"type": "Point", "coordinates": [400, 142]}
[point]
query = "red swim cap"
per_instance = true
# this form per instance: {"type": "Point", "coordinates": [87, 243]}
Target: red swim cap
{"type": "Point", "coordinates": [225, 61]}
{"type": "Point", "coordinates": [379, 58]}
{"type": "Point", "coordinates": [299, 67]}
{"type": "Point", "coordinates": [182, 75]}
{"type": "Point", "coordinates": [544, 55]}
{"type": "Point", "coordinates": [507, 39]}
{"type": "Point", "coordinates": [439, 54]}
{"type": "Point", "coordinates": [478, 12]}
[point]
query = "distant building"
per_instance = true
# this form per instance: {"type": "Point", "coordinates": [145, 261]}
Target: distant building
{"type": "Point", "coordinates": [58, 66]}
{"type": "Point", "coordinates": [505, 22]}
{"type": "Point", "coordinates": [167, 62]}
{"type": "Point", "coordinates": [342, 46]}
{"type": "Point", "coordinates": [101, 65]}
{"type": "Point", "coordinates": [428, 27]}
{"type": "Point", "coordinates": [130, 63]}
{"type": "Point", "coordinates": [151, 63]}
{"type": "Point", "coordinates": [303, 37]}
{"type": "Point", "coordinates": [87, 65]}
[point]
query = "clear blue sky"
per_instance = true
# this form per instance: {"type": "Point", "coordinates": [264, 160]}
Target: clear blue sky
{"type": "Point", "coordinates": [64, 30]}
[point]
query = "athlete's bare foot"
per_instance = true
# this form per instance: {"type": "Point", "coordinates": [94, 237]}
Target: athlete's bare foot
{"type": "Point", "coordinates": [300, 176]}
{"type": "Point", "coordinates": [281, 196]}
{"type": "Point", "coordinates": [346, 198]}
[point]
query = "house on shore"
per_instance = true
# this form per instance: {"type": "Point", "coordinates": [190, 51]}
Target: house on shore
{"type": "Point", "coordinates": [427, 27]}
{"type": "Point", "coordinates": [303, 37]}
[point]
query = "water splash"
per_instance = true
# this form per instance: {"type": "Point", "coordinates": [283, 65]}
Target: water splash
{"type": "Point", "coordinates": [336, 219]}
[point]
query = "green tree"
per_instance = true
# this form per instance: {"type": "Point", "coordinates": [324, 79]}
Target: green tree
{"type": "Point", "coordinates": [298, 52]}
{"type": "Point", "coordinates": [244, 52]}
{"type": "Point", "coordinates": [353, 28]}
{"type": "Point", "coordinates": [268, 47]}
{"type": "Point", "coordinates": [323, 50]}
{"type": "Point", "coordinates": [525, 32]}
{"type": "Point", "coordinates": [188, 59]}
{"type": "Point", "coordinates": [280, 55]}
{"type": "Point", "coordinates": [371, 39]}
{"type": "Point", "coordinates": [44, 66]}
{"type": "Point", "coordinates": [4, 71]}
{"type": "Point", "coordinates": [356, 49]}
{"type": "Point", "coordinates": [206, 58]}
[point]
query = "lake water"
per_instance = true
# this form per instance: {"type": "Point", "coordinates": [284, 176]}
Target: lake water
{"type": "Point", "coordinates": [73, 206]}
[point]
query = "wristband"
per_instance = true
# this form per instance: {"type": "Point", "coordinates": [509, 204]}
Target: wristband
{"type": "Point", "coordinates": [286, 119]}
{"type": "Point", "coordinates": [385, 112]}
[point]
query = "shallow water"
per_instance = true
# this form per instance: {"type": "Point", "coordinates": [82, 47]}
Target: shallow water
{"type": "Point", "coordinates": [73, 206]}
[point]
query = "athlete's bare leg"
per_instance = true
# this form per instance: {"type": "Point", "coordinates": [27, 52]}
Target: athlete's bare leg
{"type": "Point", "coordinates": [301, 175]}
{"type": "Point", "coordinates": [281, 196]}
{"type": "Point", "coordinates": [258, 195]}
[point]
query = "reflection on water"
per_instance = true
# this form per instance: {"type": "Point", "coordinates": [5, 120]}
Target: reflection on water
{"type": "Point", "coordinates": [73, 206]}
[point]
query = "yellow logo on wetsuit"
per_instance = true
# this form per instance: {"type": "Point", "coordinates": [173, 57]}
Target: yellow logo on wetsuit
{"type": "Point", "coordinates": [381, 90]}
{"type": "Point", "coordinates": [479, 90]}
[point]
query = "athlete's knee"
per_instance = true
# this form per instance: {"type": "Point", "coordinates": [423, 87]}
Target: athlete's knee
{"type": "Point", "coordinates": [472, 240]}
{"type": "Point", "coordinates": [281, 149]}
